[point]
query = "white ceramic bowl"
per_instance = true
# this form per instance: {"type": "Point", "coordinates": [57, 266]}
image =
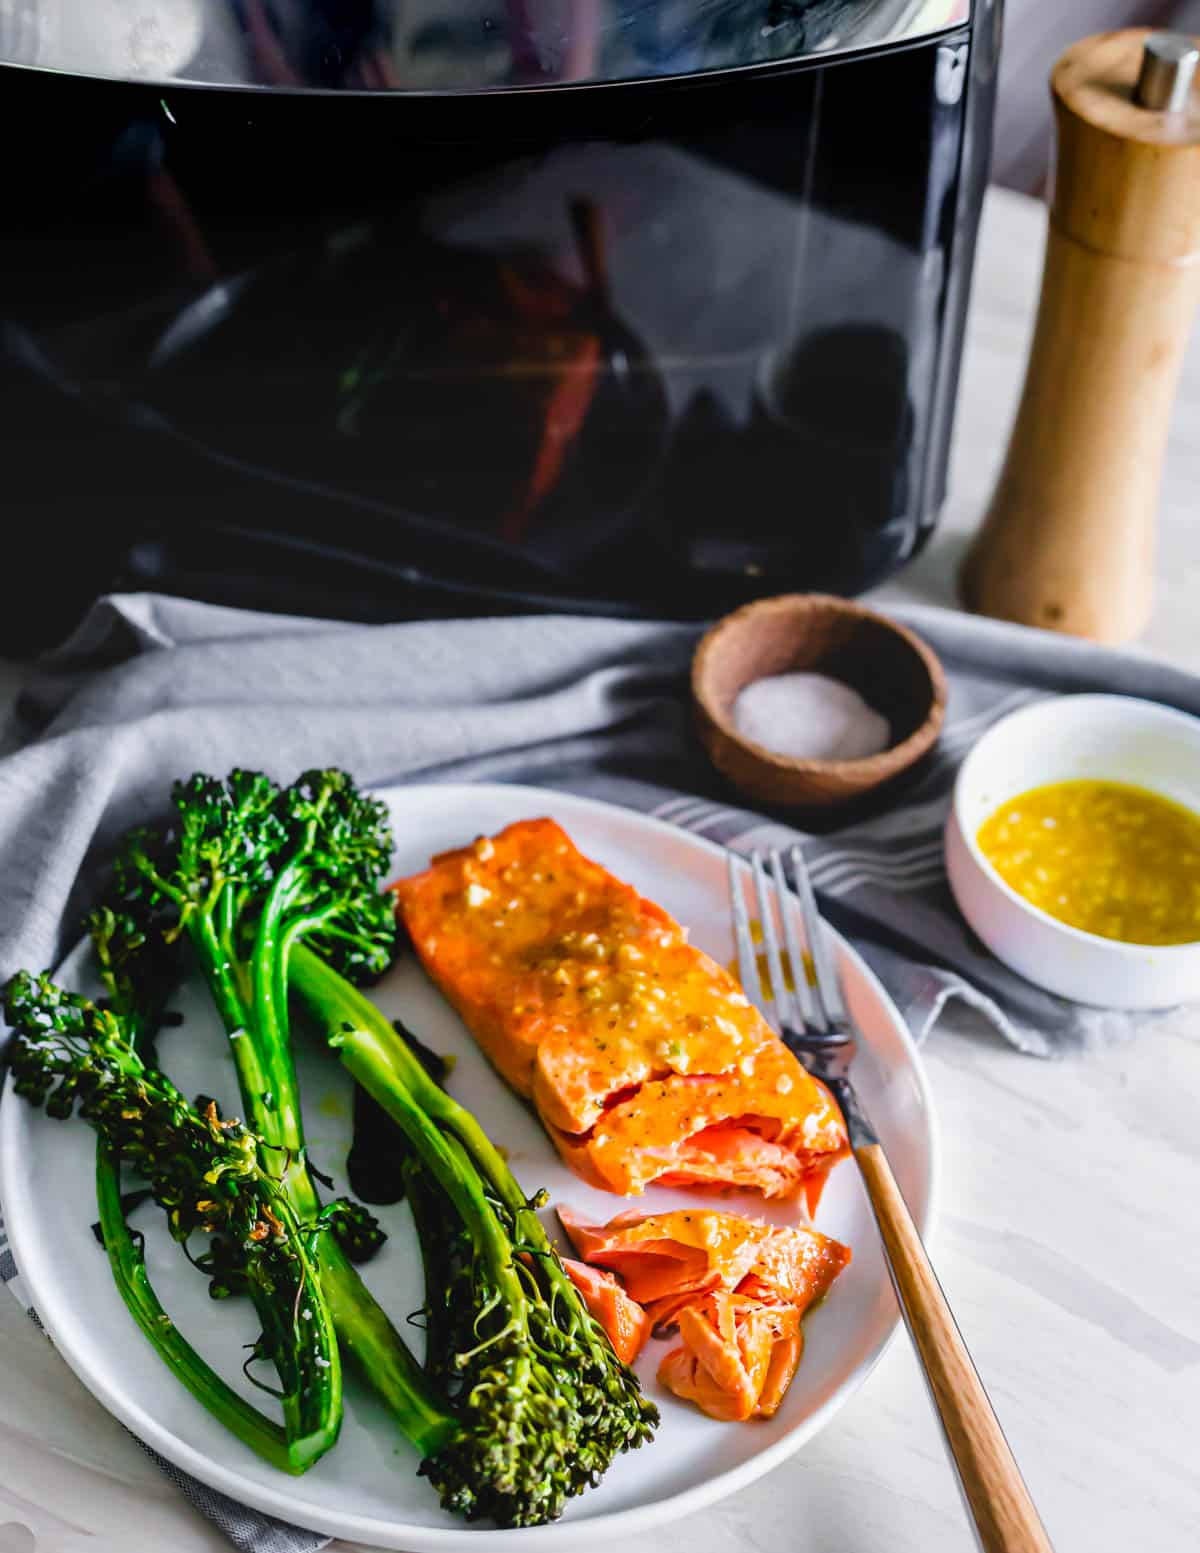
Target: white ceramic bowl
{"type": "Point", "coordinates": [1110, 738]}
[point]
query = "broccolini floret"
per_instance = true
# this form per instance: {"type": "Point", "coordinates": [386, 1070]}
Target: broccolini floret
{"type": "Point", "coordinates": [69, 1056]}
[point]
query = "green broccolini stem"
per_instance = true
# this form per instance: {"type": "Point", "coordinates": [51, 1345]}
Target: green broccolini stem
{"type": "Point", "coordinates": [260, 1433]}
{"type": "Point", "coordinates": [381, 1356]}
{"type": "Point", "coordinates": [367, 1062]}
{"type": "Point", "coordinates": [304, 1378]}
{"type": "Point", "coordinates": [251, 999]}
{"type": "Point", "coordinates": [364, 1330]}
{"type": "Point", "coordinates": [266, 1079]}
{"type": "Point", "coordinates": [369, 1034]}
{"type": "Point", "coordinates": [384, 1065]}
{"type": "Point", "coordinates": [72, 1055]}
{"type": "Point", "coordinates": [293, 1448]}
{"type": "Point", "coordinates": [220, 975]}
{"type": "Point", "coordinates": [269, 1020]}
{"type": "Point", "coordinates": [443, 1156]}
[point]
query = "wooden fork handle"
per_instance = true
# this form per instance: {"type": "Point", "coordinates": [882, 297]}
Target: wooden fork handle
{"type": "Point", "coordinates": [992, 1485]}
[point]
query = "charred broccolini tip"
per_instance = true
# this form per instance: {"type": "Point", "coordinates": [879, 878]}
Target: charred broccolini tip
{"type": "Point", "coordinates": [70, 1056]}
{"type": "Point", "coordinates": [527, 1371]}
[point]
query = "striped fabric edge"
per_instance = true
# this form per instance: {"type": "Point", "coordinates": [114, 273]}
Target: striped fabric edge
{"type": "Point", "coordinates": [835, 870]}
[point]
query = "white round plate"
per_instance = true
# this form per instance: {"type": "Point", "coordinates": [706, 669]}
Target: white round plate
{"type": "Point", "coordinates": [366, 1489]}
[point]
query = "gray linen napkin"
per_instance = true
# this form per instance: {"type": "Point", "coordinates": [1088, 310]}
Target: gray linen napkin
{"type": "Point", "coordinates": [150, 688]}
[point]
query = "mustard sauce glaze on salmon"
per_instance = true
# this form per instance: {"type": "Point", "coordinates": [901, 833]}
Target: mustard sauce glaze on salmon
{"type": "Point", "coordinates": [641, 1054]}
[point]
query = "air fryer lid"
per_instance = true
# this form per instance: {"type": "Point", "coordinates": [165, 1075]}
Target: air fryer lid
{"type": "Point", "coordinates": [444, 45]}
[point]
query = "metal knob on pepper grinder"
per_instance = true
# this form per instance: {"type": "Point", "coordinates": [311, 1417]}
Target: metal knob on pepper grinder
{"type": "Point", "coordinates": [1068, 541]}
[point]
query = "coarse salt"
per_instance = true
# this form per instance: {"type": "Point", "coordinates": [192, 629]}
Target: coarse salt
{"type": "Point", "coordinates": [809, 717]}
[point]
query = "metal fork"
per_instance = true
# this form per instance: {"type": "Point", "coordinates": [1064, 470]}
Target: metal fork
{"type": "Point", "coordinates": [813, 1020]}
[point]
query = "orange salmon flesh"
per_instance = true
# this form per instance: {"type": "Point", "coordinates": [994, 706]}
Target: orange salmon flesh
{"type": "Point", "coordinates": [732, 1288]}
{"type": "Point", "coordinates": [642, 1056]}
{"type": "Point", "coordinates": [625, 1322]}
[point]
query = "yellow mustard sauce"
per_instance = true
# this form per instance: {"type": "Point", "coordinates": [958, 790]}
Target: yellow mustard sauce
{"type": "Point", "coordinates": [1106, 857]}
{"type": "Point", "coordinates": [764, 970]}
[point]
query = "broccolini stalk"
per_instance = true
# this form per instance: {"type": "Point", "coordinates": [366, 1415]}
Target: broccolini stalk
{"type": "Point", "coordinates": [534, 1370]}
{"type": "Point", "coordinates": [140, 1009]}
{"type": "Point", "coordinates": [276, 887]}
{"type": "Point", "coordinates": [69, 1056]}
{"type": "Point", "coordinates": [245, 868]}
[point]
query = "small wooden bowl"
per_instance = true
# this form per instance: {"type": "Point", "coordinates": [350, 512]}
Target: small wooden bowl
{"type": "Point", "coordinates": [891, 668]}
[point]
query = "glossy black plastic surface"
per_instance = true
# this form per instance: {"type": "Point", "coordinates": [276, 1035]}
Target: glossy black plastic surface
{"type": "Point", "coordinates": [652, 348]}
{"type": "Point", "coordinates": [444, 45]}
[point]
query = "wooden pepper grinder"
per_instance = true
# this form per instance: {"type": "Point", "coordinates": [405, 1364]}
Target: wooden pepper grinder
{"type": "Point", "coordinates": [1068, 542]}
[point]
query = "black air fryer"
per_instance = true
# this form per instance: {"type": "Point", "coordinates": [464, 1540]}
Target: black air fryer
{"type": "Point", "coordinates": [385, 308]}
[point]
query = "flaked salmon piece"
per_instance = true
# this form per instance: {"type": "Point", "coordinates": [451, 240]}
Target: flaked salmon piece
{"type": "Point", "coordinates": [733, 1288]}
{"type": "Point", "coordinates": [785, 1356]}
{"type": "Point", "coordinates": [666, 1259]}
{"type": "Point", "coordinates": [662, 1255]}
{"type": "Point", "coordinates": [623, 1319]}
{"type": "Point", "coordinates": [796, 1266]}
{"type": "Point", "coordinates": [736, 1355]}
{"type": "Point", "coordinates": [643, 1057]}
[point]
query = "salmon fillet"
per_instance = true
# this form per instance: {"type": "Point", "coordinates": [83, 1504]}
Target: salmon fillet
{"type": "Point", "coordinates": [734, 1289]}
{"type": "Point", "coordinates": [643, 1057]}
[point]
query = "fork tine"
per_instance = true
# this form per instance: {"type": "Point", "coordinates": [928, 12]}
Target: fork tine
{"type": "Point", "coordinates": [776, 999]}
{"type": "Point", "coordinates": [747, 959]}
{"type": "Point", "coordinates": [801, 991]}
{"type": "Point", "coordinates": [831, 1008]}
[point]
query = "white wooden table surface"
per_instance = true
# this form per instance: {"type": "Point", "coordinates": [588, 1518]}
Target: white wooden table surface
{"type": "Point", "coordinates": [1069, 1231]}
